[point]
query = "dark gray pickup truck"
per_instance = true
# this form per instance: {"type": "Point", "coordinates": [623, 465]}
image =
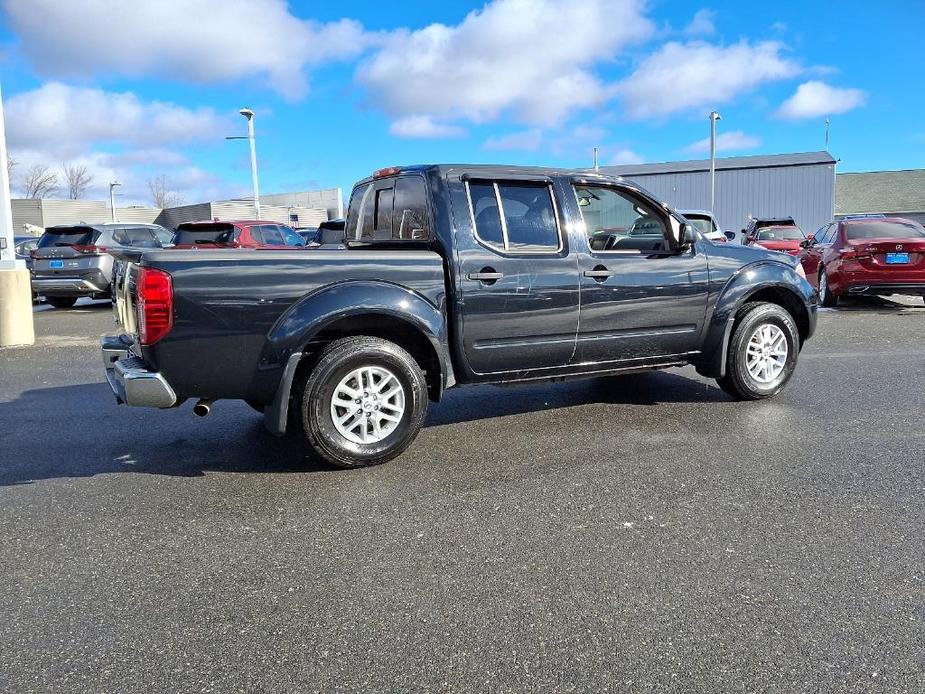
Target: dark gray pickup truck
{"type": "Point", "coordinates": [451, 275]}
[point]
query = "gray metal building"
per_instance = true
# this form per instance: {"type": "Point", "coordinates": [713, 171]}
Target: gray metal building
{"type": "Point", "coordinates": [801, 186]}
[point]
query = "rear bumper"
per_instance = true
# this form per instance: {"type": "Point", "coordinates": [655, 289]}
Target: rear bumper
{"type": "Point", "coordinates": [131, 381]}
{"type": "Point", "coordinates": [66, 286]}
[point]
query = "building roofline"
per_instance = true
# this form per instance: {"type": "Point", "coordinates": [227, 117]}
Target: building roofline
{"type": "Point", "coordinates": [758, 161]}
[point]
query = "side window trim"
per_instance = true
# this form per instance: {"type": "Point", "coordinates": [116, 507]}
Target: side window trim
{"type": "Point", "coordinates": [506, 251]}
{"type": "Point", "coordinates": [629, 194]}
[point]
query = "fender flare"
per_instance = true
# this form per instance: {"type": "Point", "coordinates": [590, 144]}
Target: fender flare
{"type": "Point", "coordinates": [746, 282]}
{"type": "Point", "coordinates": [295, 329]}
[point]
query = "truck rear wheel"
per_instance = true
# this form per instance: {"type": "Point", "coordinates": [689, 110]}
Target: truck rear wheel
{"type": "Point", "coordinates": [762, 352]}
{"type": "Point", "coordinates": [363, 402]}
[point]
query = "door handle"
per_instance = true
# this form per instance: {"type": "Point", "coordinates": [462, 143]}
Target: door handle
{"type": "Point", "coordinates": [600, 273]}
{"type": "Point", "coordinates": [485, 276]}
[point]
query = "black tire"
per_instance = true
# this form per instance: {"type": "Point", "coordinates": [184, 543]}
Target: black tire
{"type": "Point", "coordinates": [61, 301]}
{"type": "Point", "coordinates": [826, 297]}
{"type": "Point", "coordinates": [338, 360]}
{"type": "Point", "coordinates": [738, 381]}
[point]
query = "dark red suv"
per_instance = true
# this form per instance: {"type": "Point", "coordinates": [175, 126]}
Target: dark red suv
{"type": "Point", "coordinates": [875, 256]}
{"type": "Point", "coordinates": [236, 234]}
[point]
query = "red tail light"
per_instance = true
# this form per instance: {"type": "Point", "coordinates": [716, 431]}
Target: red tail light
{"type": "Point", "coordinates": [155, 305]}
{"type": "Point", "coordinates": [91, 250]}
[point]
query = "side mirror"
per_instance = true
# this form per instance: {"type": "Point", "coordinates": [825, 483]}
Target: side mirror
{"type": "Point", "coordinates": [687, 235]}
{"type": "Point", "coordinates": [806, 243]}
{"type": "Point", "coordinates": [731, 235]}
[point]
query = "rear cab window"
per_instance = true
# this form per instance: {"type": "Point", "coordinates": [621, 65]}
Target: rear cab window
{"type": "Point", "coordinates": [515, 216]}
{"type": "Point", "coordinates": [389, 210]}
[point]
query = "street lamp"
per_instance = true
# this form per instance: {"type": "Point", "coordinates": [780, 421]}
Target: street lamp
{"type": "Point", "coordinates": [249, 115]}
{"type": "Point", "coordinates": [112, 199]}
{"type": "Point", "coordinates": [714, 116]}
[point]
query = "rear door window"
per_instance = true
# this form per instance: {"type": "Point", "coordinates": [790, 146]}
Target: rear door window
{"type": "Point", "coordinates": [268, 234]}
{"type": "Point", "coordinates": [525, 222]}
{"type": "Point", "coordinates": [70, 236]}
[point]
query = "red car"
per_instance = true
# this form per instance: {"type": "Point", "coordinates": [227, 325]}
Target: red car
{"type": "Point", "coordinates": [236, 234]}
{"type": "Point", "coordinates": [874, 256]}
{"type": "Point", "coordinates": [785, 238]}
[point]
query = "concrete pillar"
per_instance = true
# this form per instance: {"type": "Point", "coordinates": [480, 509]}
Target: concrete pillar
{"type": "Point", "coordinates": [15, 282]}
{"type": "Point", "coordinates": [16, 307]}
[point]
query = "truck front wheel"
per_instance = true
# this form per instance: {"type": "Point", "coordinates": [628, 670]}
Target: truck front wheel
{"type": "Point", "coordinates": [762, 352]}
{"type": "Point", "coordinates": [363, 402]}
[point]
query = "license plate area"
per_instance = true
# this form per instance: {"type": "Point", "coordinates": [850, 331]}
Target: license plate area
{"type": "Point", "coordinates": [897, 258]}
{"type": "Point", "coordinates": [56, 264]}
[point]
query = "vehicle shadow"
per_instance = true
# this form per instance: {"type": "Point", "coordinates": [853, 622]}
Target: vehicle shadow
{"type": "Point", "coordinates": [485, 402]}
{"type": "Point", "coordinates": [79, 431]}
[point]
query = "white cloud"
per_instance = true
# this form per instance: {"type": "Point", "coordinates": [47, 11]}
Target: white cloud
{"type": "Point", "coordinates": [725, 142]}
{"type": "Point", "coordinates": [625, 156]}
{"type": "Point", "coordinates": [532, 58]}
{"type": "Point", "coordinates": [815, 99]}
{"type": "Point", "coordinates": [422, 125]}
{"type": "Point", "coordinates": [701, 23]}
{"type": "Point", "coordinates": [528, 140]}
{"type": "Point", "coordinates": [116, 135]}
{"type": "Point", "coordinates": [202, 41]}
{"type": "Point", "coordinates": [64, 119]}
{"type": "Point", "coordinates": [680, 77]}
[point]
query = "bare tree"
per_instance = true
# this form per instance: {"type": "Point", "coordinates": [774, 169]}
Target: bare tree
{"type": "Point", "coordinates": [40, 182]}
{"type": "Point", "coordinates": [78, 180]}
{"type": "Point", "coordinates": [10, 163]}
{"type": "Point", "coordinates": [162, 194]}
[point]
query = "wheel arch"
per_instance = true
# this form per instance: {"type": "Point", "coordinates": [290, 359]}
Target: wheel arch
{"type": "Point", "coordinates": [373, 308]}
{"type": "Point", "coordinates": [770, 282]}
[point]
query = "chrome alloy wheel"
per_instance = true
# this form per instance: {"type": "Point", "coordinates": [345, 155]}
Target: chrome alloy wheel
{"type": "Point", "coordinates": [368, 404]}
{"type": "Point", "coordinates": [766, 354]}
{"type": "Point", "coordinates": [823, 283]}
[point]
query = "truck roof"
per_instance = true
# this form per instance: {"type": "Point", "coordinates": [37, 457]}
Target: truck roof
{"type": "Point", "coordinates": [491, 170]}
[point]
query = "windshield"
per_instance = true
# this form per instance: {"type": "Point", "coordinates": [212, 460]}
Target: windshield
{"type": "Point", "coordinates": [780, 234]}
{"type": "Point", "coordinates": [67, 236]}
{"type": "Point", "coordinates": [885, 230]}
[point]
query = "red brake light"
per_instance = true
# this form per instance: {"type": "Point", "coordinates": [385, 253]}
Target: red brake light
{"type": "Point", "coordinates": [390, 171]}
{"type": "Point", "coordinates": [155, 305]}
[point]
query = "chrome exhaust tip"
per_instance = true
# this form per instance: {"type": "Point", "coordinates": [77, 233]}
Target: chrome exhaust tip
{"type": "Point", "coordinates": [203, 407]}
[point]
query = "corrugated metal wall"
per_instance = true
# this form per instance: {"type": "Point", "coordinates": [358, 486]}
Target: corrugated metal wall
{"type": "Point", "coordinates": [331, 199]}
{"type": "Point", "coordinates": [804, 192]}
{"type": "Point", "coordinates": [138, 215]}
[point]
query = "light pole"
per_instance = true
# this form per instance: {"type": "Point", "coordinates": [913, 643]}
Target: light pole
{"type": "Point", "coordinates": [826, 134]}
{"type": "Point", "coordinates": [112, 199]}
{"type": "Point", "coordinates": [714, 116]}
{"type": "Point", "coordinates": [15, 283]}
{"type": "Point", "coordinates": [249, 115]}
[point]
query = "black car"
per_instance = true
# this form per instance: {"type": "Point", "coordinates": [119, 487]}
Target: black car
{"type": "Point", "coordinates": [451, 275]}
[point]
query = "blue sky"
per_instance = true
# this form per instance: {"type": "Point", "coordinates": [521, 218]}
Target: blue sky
{"type": "Point", "coordinates": [138, 90]}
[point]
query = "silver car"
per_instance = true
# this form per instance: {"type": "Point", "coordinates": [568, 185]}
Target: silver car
{"type": "Point", "coordinates": [73, 261]}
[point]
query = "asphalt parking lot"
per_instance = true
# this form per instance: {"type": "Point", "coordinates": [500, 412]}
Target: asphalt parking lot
{"type": "Point", "coordinates": [635, 534]}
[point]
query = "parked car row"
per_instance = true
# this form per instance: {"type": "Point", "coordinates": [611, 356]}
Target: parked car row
{"type": "Point", "coordinates": [869, 255]}
{"type": "Point", "coordinates": [73, 261]}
